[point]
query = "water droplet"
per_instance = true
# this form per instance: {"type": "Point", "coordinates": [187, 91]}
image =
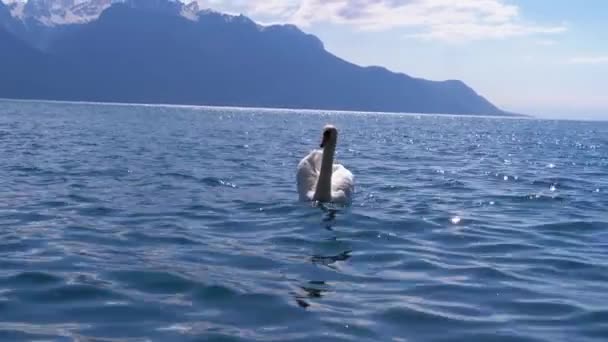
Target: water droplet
{"type": "Point", "coordinates": [506, 178]}
{"type": "Point", "coordinates": [551, 166]}
{"type": "Point", "coordinates": [455, 220]}
{"type": "Point", "coordinates": [492, 202]}
{"type": "Point", "coordinates": [597, 190]}
{"type": "Point", "coordinates": [553, 188]}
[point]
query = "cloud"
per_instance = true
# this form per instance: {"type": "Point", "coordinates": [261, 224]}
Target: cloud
{"type": "Point", "coordinates": [546, 42]}
{"type": "Point", "coordinates": [588, 60]}
{"type": "Point", "coordinates": [275, 8]}
{"type": "Point", "coordinates": [443, 20]}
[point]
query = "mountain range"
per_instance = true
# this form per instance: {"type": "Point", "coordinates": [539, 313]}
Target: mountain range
{"type": "Point", "coordinates": [165, 51]}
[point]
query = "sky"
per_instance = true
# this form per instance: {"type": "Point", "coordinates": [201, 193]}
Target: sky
{"type": "Point", "coordinates": [548, 58]}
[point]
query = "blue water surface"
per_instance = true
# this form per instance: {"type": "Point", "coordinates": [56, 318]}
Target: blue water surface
{"type": "Point", "coordinates": [151, 223]}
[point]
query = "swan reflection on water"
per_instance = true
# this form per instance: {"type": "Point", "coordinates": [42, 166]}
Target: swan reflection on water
{"type": "Point", "coordinates": [312, 290]}
{"type": "Point", "coordinates": [330, 212]}
{"type": "Point", "coordinates": [330, 259]}
{"type": "Point", "coordinates": [328, 221]}
{"type": "Point", "coordinates": [329, 216]}
{"type": "Point", "coordinates": [316, 289]}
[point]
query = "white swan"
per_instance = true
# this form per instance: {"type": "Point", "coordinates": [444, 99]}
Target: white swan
{"type": "Point", "coordinates": [319, 179]}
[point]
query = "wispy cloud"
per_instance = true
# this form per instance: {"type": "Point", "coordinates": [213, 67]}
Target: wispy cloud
{"type": "Point", "coordinates": [588, 60]}
{"type": "Point", "coordinates": [444, 20]}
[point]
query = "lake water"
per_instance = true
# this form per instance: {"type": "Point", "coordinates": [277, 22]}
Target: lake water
{"type": "Point", "coordinates": [143, 223]}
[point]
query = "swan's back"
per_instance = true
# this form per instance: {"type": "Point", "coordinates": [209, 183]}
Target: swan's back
{"type": "Point", "coordinates": [309, 169]}
{"type": "Point", "coordinates": [342, 184]}
{"type": "Point", "coordinates": [308, 174]}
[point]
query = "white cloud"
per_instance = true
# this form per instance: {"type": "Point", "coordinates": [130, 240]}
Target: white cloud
{"type": "Point", "coordinates": [277, 8]}
{"type": "Point", "coordinates": [546, 42]}
{"type": "Point", "coordinates": [589, 60]}
{"type": "Point", "coordinates": [444, 20]}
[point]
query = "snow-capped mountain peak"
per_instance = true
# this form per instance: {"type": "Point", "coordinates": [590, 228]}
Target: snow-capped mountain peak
{"type": "Point", "coordinates": [61, 12]}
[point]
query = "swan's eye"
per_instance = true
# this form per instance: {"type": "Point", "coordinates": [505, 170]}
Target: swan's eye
{"type": "Point", "coordinates": [326, 134]}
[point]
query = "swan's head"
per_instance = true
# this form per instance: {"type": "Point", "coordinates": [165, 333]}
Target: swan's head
{"type": "Point", "coordinates": [330, 136]}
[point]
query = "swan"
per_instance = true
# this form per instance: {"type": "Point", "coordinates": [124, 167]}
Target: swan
{"type": "Point", "coordinates": [319, 179]}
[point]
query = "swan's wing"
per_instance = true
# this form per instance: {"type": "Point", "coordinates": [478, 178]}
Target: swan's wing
{"type": "Point", "coordinates": [342, 184]}
{"type": "Point", "coordinates": [308, 174]}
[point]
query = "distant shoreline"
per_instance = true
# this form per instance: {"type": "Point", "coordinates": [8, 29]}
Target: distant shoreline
{"type": "Point", "coordinates": [282, 109]}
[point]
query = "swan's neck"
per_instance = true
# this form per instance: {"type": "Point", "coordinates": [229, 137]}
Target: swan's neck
{"type": "Point", "coordinates": [323, 191]}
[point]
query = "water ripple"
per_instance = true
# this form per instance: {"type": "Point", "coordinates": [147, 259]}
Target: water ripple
{"type": "Point", "coordinates": [131, 223]}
